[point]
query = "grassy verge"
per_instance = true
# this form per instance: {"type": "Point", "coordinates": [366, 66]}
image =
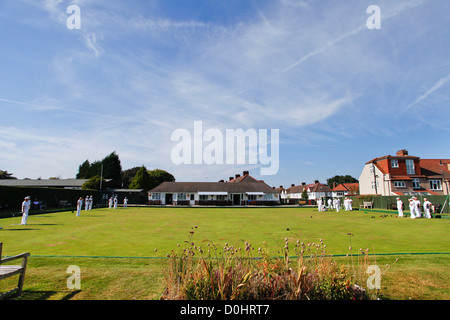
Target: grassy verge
{"type": "Point", "coordinates": [423, 277]}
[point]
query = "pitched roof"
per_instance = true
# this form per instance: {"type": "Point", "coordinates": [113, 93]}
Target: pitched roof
{"type": "Point", "coordinates": [246, 177]}
{"type": "Point", "coordinates": [313, 187]}
{"type": "Point", "coordinates": [435, 168]}
{"type": "Point", "coordinates": [295, 189]}
{"type": "Point", "coordinates": [49, 183]}
{"type": "Point", "coordinates": [392, 157]}
{"type": "Point", "coordinates": [318, 187]}
{"type": "Point", "coordinates": [242, 187]}
{"type": "Point", "coordinates": [347, 187]}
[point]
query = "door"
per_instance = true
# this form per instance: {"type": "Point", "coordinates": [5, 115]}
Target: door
{"type": "Point", "coordinates": [192, 199]}
{"type": "Point", "coordinates": [236, 199]}
{"type": "Point", "coordinates": [168, 198]}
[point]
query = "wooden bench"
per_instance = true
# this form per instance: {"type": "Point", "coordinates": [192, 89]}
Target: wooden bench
{"type": "Point", "coordinates": [366, 204]}
{"type": "Point", "coordinates": [7, 271]}
{"type": "Point", "coordinates": [64, 203]}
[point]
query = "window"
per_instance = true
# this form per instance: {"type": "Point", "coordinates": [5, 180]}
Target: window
{"type": "Point", "coordinates": [267, 196]}
{"type": "Point", "coordinates": [156, 196]}
{"type": "Point", "coordinates": [221, 197]}
{"type": "Point", "coordinates": [203, 197]}
{"type": "Point", "coordinates": [251, 197]}
{"type": "Point", "coordinates": [394, 163]}
{"type": "Point", "coordinates": [399, 184]}
{"type": "Point", "coordinates": [435, 185]}
{"type": "Point", "coordinates": [416, 183]}
{"type": "Point", "coordinates": [410, 167]}
{"type": "Point", "coordinates": [181, 196]}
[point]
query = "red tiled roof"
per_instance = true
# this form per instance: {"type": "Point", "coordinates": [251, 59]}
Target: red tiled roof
{"type": "Point", "coordinates": [391, 157]}
{"type": "Point", "coordinates": [244, 178]}
{"type": "Point", "coordinates": [435, 168]}
{"type": "Point", "coordinates": [401, 178]}
{"type": "Point", "coordinates": [347, 187]}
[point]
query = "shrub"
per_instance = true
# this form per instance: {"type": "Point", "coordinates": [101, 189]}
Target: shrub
{"type": "Point", "coordinates": [207, 272]}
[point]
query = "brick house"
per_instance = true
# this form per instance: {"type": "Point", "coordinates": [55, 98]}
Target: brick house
{"type": "Point", "coordinates": [316, 190]}
{"type": "Point", "coordinates": [345, 189]}
{"type": "Point", "coordinates": [404, 174]}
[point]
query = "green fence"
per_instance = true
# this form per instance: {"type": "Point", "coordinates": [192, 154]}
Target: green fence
{"type": "Point", "coordinates": [387, 202]}
{"type": "Point", "coordinates": [11, 198]}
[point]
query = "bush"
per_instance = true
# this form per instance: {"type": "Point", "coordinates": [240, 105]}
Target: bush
{"type": "Point", "coordinates": [206, 272]}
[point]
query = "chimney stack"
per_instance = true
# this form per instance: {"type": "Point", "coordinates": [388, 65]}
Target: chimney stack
{"type": "Point", "coordinates": [402, 153]}
{"type": "Point", "coordinates": [316, 181]}
{"type": "Point", "coordinates": [303, 183]}
{"type": "Point", "coordinates": [245, 173]}
{"type": "Point", "coordinates": [237, 175]}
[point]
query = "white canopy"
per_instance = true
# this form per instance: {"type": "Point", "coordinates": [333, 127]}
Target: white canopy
{"type": "Point", "coordinates": [255, 193]}
{"type": "Point", "coordinates": [213, 193]}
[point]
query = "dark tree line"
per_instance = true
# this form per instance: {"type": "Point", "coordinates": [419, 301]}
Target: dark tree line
{"type": "Point", "coordinates": [6, 175]}
{"type": "Point", "coordinates": [133, 178]}
{"type": "Point", "coordinates": [337, 180]}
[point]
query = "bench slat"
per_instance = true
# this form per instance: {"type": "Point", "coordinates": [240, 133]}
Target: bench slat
{"type": "Point", "coordinates": [8, 271]}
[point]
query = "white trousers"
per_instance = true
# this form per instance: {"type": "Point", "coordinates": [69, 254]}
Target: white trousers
{"type": "Point", "coordinates": [24, 218]}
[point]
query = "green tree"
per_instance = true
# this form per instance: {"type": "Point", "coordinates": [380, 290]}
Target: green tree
{"type": "Point", "coordinates": [128, 176]}
{"type": "Point", "coordinates": [112, 168]}
{"type": "Point", "coordinates": [159, 176]}
{"type": "Point", "coordinates": [6, 175]}
{"type": "Point", "coordinates": [142, 180]}
{"type": "Point", "coordinates": [340, 179]}
{"type": "Point", "coordinates": [94, 183]}
{"type": "Point", "coordinates": [95, 169]}
{"type": "Point", "coordinates": [83, 170]}
{"type": "Point", "coordinates": [304, 194]}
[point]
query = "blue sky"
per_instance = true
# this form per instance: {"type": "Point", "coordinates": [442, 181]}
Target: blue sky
{"type": "Point", "coordinates": [339, 93]}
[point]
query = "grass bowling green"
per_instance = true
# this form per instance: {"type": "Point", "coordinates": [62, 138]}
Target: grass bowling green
{"type": "Point", "coordinates": [121, 253]}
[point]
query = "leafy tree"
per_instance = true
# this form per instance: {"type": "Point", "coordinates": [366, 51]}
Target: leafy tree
{"type": "Point", "coordinates": [83, 170]}
{"type": "Point", "coordinates": [158, 176]}
{"type": "Point", "coordinates": [112, 168]}
{"type": "Point", "coordinates": [340, 179]}
{"type": "Point", "coordinates": [94, 183]}
{"type": "Point", "coordinates": [6, 175]}
{"type": "Point", "coordinates": [142, 180]}
{"type": "Point", "coordinates": [304, 194]}
{"type": "Point", "coordinates": [128, 176]}
{"type": "Point", "coordinates": [95, 170]}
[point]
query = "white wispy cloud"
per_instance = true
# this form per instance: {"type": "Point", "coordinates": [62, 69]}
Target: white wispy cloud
{"type": "Point", "coordinates": [129, 77]}
{"type": "Point", "coordinates": [430, 91]}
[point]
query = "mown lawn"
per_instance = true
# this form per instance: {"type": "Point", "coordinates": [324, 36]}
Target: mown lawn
{"type": "Point", "coordinates": [121, 253]}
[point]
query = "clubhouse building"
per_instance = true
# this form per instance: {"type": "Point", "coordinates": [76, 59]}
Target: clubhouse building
{"type": "Point", "coordinates": [240, 190]}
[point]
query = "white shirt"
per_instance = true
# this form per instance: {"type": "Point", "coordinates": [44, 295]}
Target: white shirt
{"type": "Point", "coordinates": [25, 206]}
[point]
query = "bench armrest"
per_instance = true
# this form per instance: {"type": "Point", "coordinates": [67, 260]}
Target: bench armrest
{"type": "Point", "coordinates": [19, 256]}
